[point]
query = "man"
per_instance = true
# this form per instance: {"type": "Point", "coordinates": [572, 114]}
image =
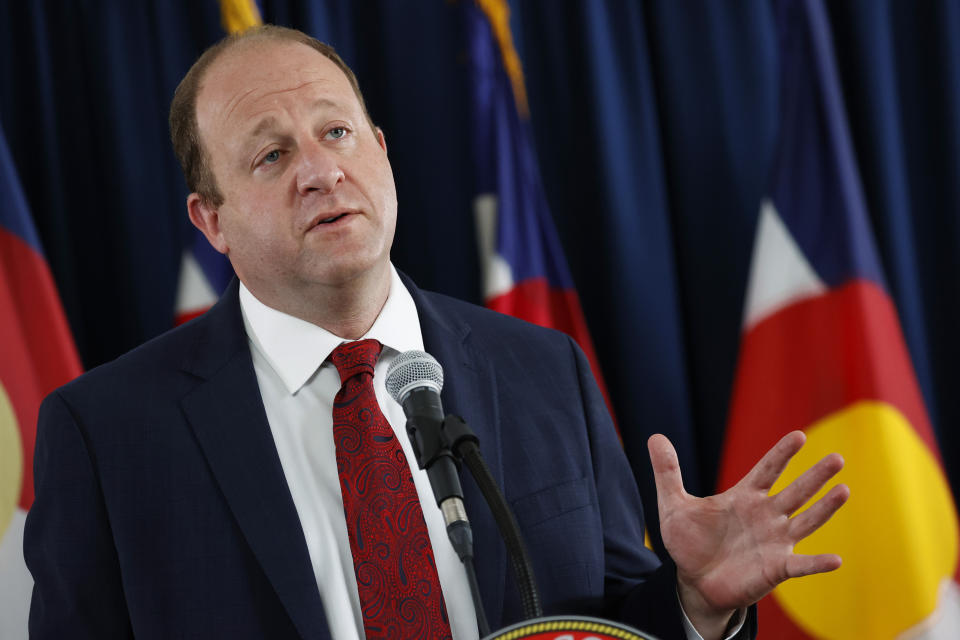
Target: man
{"type": "Point", "coordinates": [199, 485]}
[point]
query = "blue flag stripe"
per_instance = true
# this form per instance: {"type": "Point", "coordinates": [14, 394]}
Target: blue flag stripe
{"type": "Point", "coordinates": [14, 213]}
{"type": "Point", "coordinates": [815, 183]}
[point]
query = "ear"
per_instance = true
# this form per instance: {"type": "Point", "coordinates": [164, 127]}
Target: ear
{"type": "Point", "coordinates": [206, 218]}
{"type": "Point", "coordinates": [381, 139]}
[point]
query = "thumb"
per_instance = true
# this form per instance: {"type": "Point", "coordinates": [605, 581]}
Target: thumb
{"type": "Point", "coordinates": [666, 469]}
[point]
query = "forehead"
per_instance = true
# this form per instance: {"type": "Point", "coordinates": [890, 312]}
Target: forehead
{"type": "Point", "coordinates": [253, 76]}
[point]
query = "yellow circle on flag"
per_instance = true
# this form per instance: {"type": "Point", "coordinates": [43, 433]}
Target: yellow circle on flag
{"type": "Point", "coordinates": [11, 461]}
{"type": "Point", "coordinates": [897, 535]}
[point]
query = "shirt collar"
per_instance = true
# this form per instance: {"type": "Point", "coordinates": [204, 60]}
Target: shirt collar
{"type": "Point", "coordinates": [295, 348]}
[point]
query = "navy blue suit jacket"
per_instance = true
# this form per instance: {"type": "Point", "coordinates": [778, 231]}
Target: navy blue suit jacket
{"type": "Point", "coordinates": [162, 510]}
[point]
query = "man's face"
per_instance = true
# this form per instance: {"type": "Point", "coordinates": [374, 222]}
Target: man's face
{"type": "Point", "coordinates": [309, 196]}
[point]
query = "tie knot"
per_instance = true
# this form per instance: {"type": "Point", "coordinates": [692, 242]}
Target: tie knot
{"type": "Point", "coordinates": [352, 358]}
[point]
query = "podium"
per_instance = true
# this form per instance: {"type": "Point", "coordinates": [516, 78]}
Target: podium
{"type": "Point", "coordinates": [568, 628]}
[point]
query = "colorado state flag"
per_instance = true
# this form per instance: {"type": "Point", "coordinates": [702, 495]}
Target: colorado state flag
{"type": "Point", "coordinates": [822, 350]}
{"type": "Point", "coordinates": [524, 271]}
{"type": "Point", "coordinates": [37, 355]}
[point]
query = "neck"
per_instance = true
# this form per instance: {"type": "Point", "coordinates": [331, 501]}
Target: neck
{"type": "Point", "coordinates": [347, 309]}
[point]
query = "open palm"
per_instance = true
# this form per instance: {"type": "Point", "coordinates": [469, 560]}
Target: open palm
{"type": "Point", "coordinates": [733, 548]}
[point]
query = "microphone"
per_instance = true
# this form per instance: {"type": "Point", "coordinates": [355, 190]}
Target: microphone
{"type": "Point", "coordinates": [415, 379]}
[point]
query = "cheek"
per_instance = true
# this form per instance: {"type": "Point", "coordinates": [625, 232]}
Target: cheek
{"type": "Point", "coordinates": [387, 193]}
{"type": "Point", "coordinates": [388, 212]}
{"type": "Point", "coordinates": [251, 232]}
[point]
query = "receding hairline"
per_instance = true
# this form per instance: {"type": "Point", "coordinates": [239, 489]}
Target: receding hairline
{"type": "Point", "coordinates": [183, 119]}
{"type": "Point", "coordinates": [240, 47]}
{"type": "Point", "coordinates": [254, 42]}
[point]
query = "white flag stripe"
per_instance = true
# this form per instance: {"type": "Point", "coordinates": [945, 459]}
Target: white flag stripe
{"type": "Point", "coordinates": [779, 272]}
{"type": "Point", "coordinates": [944, 621]}
{"type": "Point", "coordinates": [497, 275]}
{"type": "Point", "coordinates": [16, 583]}
{"type": "Point", "coordinates": [194, 292]}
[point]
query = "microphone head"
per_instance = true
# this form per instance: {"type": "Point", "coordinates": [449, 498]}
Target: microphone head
{"type": "Point", "coordinates": [411, 370]}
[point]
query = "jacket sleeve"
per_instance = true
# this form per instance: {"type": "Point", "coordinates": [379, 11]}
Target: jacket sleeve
{"type": "Point", "coordinates": [68, 545]}
{"type": "Point", "coordinates": [639, 589]}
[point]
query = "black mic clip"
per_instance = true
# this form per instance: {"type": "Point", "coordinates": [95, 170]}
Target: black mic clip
{"type": "Point", "coordinates": [432, 444]}
{"type": "Point", "coordinates": [457, 433]}
{"type": "Point", "coordinates": [453, 434]}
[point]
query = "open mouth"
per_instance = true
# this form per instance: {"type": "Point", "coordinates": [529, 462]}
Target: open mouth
{"type": "Point", "coordinates": [332, 218]}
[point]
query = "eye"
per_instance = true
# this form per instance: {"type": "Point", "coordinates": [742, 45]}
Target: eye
{"type": "Point", "coordinates": [337, 132]}
{"type": "Point", "coordinates": [271, 157]}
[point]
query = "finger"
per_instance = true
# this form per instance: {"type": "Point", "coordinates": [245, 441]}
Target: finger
{"type": "Point", "coordinates": [796, 494]}
{"type": "Point", "coordinates": [666, 468]}
{"type": "Point", "coordinates": [803, 524]}
{"type": "Point", "coordinates": [799, 565]}
{"type": "Point", "coordinates": [774, 461]}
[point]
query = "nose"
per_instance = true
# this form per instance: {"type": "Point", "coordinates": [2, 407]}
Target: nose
{"type": "Point", "coordinates": [319, 169]}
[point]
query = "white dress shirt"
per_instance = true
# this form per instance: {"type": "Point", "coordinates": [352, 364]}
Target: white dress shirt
{"type": "Point", "coordinates": [298, 385]}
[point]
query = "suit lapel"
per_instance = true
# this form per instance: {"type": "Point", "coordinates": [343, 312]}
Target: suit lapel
{"type": "Point", "coordinates": [227, 415]}
{"type": "Point", "coordinates": [470, 392]}
{"type": "Point", "coordinates": [228, 418]}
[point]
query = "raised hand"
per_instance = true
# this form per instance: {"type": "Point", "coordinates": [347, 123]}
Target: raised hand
{"type": "Point", "coordinates": [733, 548]}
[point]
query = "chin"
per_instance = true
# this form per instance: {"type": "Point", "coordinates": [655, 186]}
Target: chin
{"type": "Point", "coordinates": [352, 271]}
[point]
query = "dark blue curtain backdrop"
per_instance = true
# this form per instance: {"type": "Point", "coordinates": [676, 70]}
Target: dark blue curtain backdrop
{"type": "Point", "coordinates": [655, 124]}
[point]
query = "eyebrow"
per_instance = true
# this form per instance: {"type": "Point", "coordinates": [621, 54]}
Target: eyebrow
{"type": "Point", "coordinates": [270, 122]}
{"type": "Point", "coordinates": [326, 102]}
{"type": "Point", "coordinates": [267, 123]}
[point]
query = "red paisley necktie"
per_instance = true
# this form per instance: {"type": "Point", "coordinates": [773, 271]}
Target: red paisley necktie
{"type": "Point", "coordinates": [396, 573]}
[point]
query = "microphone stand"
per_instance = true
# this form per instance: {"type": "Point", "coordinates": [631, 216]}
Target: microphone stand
{"type": "Point", "coordinates": [464, 444]}
{"type": "Point", "coordinates": [441, 444]}
{"type": "Point", "coordinates": [432, 450]}
{"type": "Point", "coordinates": [435, 446]}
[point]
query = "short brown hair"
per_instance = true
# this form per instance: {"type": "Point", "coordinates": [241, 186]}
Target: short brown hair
{"type": "Point", "coordinates": [184, 130]}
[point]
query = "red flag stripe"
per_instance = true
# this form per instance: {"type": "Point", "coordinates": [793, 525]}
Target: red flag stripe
{"type": "Point", "coordinates": [38, 353]}
{"type": "Point", "coordinates": [812, 359]}
{"type": "Point", "coordinates": [535, 301]}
